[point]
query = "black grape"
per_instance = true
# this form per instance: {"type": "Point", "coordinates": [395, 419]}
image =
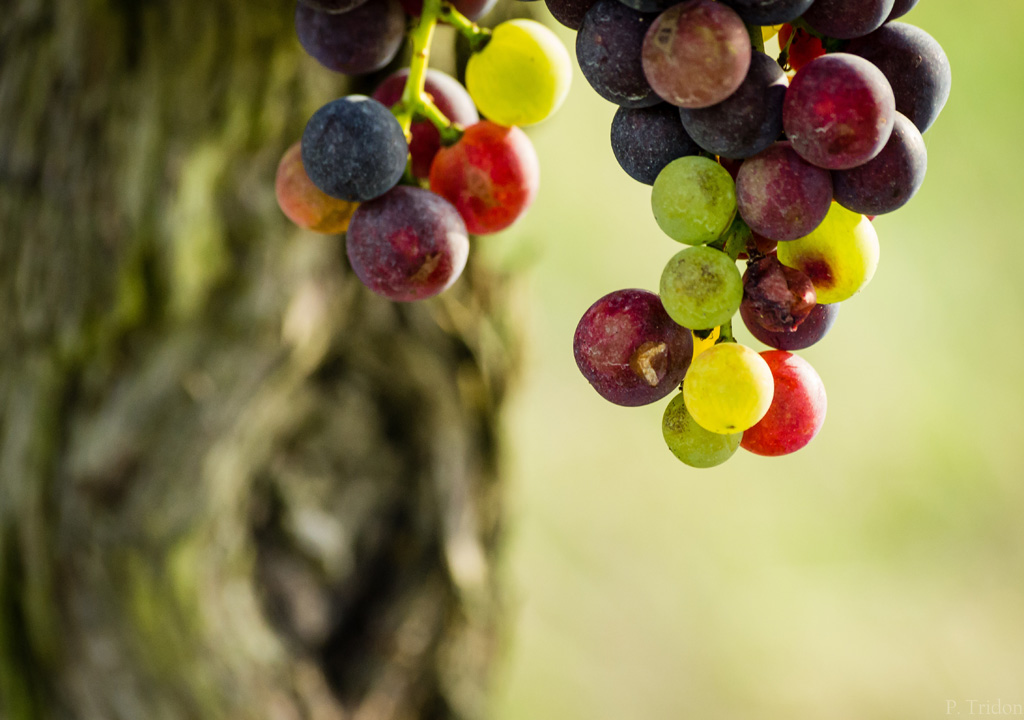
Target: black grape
{"type": "Point", "coordinates": [645, 140]}
{"type": "Point", "coordinates": [746, 122]}
{"type": "Point", "coordinates": [354, 149]}
{"type": "Point", "coordinates": [355, 42]}
{"type": "Point", "coordinates": [847, 18]}
{"type": "Point", "coordinates": [569, 12]}
{"type": "Point", "coordinates": [608, 49]}
{"type": "Point", "coordinates": [887, 181]}
{"type": "Point", "coordinates": [914, 64]}
{"type": "Point", "coordinates": [768, 12]}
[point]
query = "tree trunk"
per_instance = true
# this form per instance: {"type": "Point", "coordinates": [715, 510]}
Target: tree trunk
{"type": "Point", "coordinates": [233, 482]}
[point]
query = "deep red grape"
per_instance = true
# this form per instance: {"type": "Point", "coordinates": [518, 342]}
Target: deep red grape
{"type": "Point", "coordinates": [408, 244]}
{"type": "Point", "coordinates": [803, 47]}
{"type": "Point", "coordinates": [355, 42]}
{"type": "Point", "coordinates": [630, 350]}
{"type": "Point", "coordinates": [768, 12]}
{"type": "Point", "coordinates": [839, 111]}
{"type": "Point", "coordinates": [490, 175]}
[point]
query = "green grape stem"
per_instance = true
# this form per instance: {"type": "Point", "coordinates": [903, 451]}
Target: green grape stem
{"type": "Point", "coordinates": [756, 37]}
{"type": "Point", "coordinates": [725, 333]}
{"type": "Point", "coordinates": [414, 101]}
{"type": "Point", "coordinates": [476, 35]}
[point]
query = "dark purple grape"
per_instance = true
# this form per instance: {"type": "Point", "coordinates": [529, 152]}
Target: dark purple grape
{"type": "Point", "coordinates": [847, 19]}
{"type": "Point", "coordinates": [890, 179]}
{"type": "Point", "coordinates": [814, 327]}
{"type": "Point", "coordinates": [332, 6]}
{"type": "Point", "coordinates": [839, 111]}
{"type": "Point", "coordinates": [356, 42]}
{"type": "Point", "coordinates": [408, 244]}
{"type": "Point", "coordinates": [630, 350]}
{"type": "Point", "coordinates": [569, 12]}
{"type": "Point", "coordinates": [780, 298]}
{"type": "Point", "coordinates": [696, 53]}
{"type": "Point", "coordinates": [354, 149]}
{"type": "Point", "coordinates": [782, 196]}
{"type": "Point", "coordinates": [473, 9]}
{"type": "Point", "coordinates": [768, 12]}
{"type": "Point", "coordinates": [901, 8]}
{"type": "Point", "coordinates": [645, 140]}
{"type": "Point", "coordinates": [914, 64]}
{"type": "Point", "coordinates": [608, 50]}
{"type": "Point", "coordinates": [746, 122]}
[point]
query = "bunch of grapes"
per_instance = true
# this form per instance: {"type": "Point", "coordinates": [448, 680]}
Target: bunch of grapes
{"type": "Point", "coordinates": [781, 163]}
{"type": "Point", "coordinates": [411, 172]}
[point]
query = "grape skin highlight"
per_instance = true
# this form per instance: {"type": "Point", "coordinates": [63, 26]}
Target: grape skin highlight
{"type": "Point", "coordinates": [701, 288]}
{"type": "Point", "coordinates": [688, 441]}
{"type": "Point", "coordinates": [694, 200]}
{"type": "Point", "coordinates": [728, 388]}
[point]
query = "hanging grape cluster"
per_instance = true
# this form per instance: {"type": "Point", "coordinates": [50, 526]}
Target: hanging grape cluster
{"type": "Point", "coordinates": [411, 172]}
{"type": "Point", "coordinates": [780, 162]}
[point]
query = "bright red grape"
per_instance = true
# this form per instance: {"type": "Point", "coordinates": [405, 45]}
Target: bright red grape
{"type": "Point", "coordinates": [797, 411]}
{"type": "Point", "coordinates": [490, 175]}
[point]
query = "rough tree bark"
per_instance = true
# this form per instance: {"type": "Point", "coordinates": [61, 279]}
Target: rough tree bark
{"type": "Point", "coordinates": [233, 483]}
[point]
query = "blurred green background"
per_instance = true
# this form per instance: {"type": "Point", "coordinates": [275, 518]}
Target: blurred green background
{"type": "Point", "coordinates": [879, 572]}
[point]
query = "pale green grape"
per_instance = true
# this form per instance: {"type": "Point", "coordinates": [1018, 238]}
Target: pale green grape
{"type": "Point", "coordinates": [694, 200]}
{"type": "Point", "coordinates": [701, 288]}
{"type": "Point", "coordinates": [521, 76]}
{"type": "Point", "coordinates": [728, 388]}
{"type": "Point", "coordinates": [691, 443]}
{"type": "Point", "coordinates": [840, 255]}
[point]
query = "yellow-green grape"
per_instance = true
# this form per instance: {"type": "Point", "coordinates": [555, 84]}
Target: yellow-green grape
{"type": "Point", "coordinates": [701, 288]}
{"type": "Point", "coordinates": [840, 255]}
{"type": "Point", "coordinates": [521, 76]}
{"type": "Point", "coordinates": [728, 388]}
{"type": "Point", "coordinates": [694, 200]}
{"type": "Point", "coordinates": [691, 443]}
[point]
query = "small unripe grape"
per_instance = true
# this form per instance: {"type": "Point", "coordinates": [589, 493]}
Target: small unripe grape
{"type": "Point", "coordinates": [701, 288]}
{"type": "Point", "coordinates": [840, 255]}
{"type": "Point", "coordinates": [694, 200]}
{"type": "Point", "coordinates": [728, 388]}
{"type": "Point", "coordinates": [691, 443]}
{"type": "Point", "coordinates": [521, 76]}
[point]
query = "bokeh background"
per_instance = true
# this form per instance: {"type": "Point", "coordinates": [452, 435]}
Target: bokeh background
{"type": "Point", "coordinates": [879, 572]}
